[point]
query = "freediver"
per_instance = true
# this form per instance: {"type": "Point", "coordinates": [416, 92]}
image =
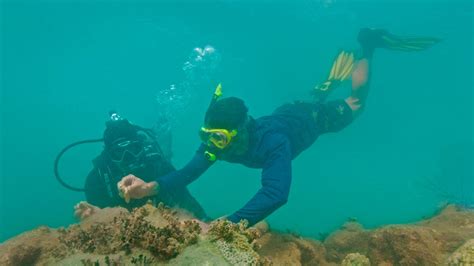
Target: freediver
{"type": "Point", "coordinates": [272, 142]}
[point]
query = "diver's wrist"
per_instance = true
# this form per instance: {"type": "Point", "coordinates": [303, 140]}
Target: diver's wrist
{"type": "Point", "coordinates": [153, 188]}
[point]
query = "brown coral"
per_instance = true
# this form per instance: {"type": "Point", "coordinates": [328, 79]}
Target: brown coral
{"type": "Point", "coordinates": [291, 250]}
{"type": "Point", "coordinates": [236, 242]}
{"type": "Point", "coordinates": [355, 259]}
{"type": "Point", "coordinates": [428, 242]}
{"type": "Point", "coordinates": [132, 230]}
{"type": "Point", "coordinates": [27, 248]}
{"type": "Point", "coordinates": [463, 256]}
{"type": "Point", "coordinates": [405, 245]}
{"type": "Point", "coordinates": [153, 235]}
{"type": "Point", "coordinates": [351, 238]}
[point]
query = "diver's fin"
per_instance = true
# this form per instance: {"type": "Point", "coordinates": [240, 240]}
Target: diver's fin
{"type": "Point", "coordinates": [341, 70]}
{"type": "Point", "coordinates": [342, 66]}
{"type": "Point", "coordinates": [379, 38]}
{"type": "Point", "coordinates": [408, 44]}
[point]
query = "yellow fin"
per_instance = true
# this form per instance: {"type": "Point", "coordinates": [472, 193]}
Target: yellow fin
{"type": "Point", "coordinates": [342, 66]}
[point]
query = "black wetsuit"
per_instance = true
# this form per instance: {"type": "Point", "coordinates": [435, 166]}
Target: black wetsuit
{"type": "Point", "coordinates": [101, 187]}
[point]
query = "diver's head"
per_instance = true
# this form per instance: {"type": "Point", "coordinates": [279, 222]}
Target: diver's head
{"type": "Point", "coordinates": [122, 144]}
{"type": "Point", "coordinates": [128, 146]}
{"type": "Point", "coordinates": [225, 124]}
{"type": "Point", "coordinates": [227, 113]}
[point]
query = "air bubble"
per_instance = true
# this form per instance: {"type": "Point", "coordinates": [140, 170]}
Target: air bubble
{"type": "Point", "coordinates": [198, 71]}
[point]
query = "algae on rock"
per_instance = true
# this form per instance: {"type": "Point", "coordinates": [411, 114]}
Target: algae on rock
{"type": "Point", "coordinates": [236, 242]}
{"type": "Point", "coordinates": [463, 256]}
{"type": "Point", "coordinates": [355, 259]}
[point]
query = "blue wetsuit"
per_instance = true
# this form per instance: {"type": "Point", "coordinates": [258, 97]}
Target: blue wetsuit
{"type": "Point", "coordinates": [273, 142]}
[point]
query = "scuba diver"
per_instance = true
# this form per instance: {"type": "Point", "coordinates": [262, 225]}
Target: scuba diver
{"type": "Point", "coordinates": [272, 142]}
{"type": "Point", "coordinates": [129, 149]}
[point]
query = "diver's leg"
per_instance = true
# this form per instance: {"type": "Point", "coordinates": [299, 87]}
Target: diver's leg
{"type": "Point", "coordinates": [368, 40]}
{"type": "Point", "coordinates": [360, 86]}
{"type": "Point", "coordinates": [371, 39]}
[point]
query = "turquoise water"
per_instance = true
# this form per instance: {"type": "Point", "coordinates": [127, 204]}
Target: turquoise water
{"type": "Point", "coordinates": [65, 65]}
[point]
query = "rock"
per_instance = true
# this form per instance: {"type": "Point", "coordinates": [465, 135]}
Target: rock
{"type": "Point", "coordinates": [27, 248]}
{"type": "Point", "coordinates": [355, 259]}
{"type": "Point", "coordinates": [351, 238]}
{"type": "Point", "coordinates": [463, 256]}
{"type": "Point", "coordinates": [21, 255]}
{"type": "Point", "coordinates": [280, 250]}
{"type": "Point", "coordinates": [290, 250]}
{"type": "Point", "coordinates": [405, 245]}
{"type": "Point", "coordinates": [203, 253]}
{"type": "Point", "coordinates": [235, 242]}
{"type": "Point", "coordinates": [162, 236]}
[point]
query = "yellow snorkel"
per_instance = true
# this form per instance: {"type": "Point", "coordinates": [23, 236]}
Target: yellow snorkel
{"type": "Point", "coordinates": [220, 138]}
{"type": "Point", "coordinates": [217, 94]}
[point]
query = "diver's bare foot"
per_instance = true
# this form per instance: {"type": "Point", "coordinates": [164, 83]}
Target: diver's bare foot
{"type": "Point", "coordinates": [83, 210]}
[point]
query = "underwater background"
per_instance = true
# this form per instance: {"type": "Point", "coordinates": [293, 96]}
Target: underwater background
{"type": "Point", "coordinates": [65, 64]}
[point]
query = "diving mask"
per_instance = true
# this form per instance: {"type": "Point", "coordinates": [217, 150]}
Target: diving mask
{"type": "Point", "coordinates": [125, 151]}
{"type": "Point", "coordinates": [220, 138]}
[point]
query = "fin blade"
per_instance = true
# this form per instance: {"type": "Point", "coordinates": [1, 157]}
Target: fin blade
{"type": "Point", "coordinates": [346, 72]}
{"type": "Point", "coordinates": [410, 43]}
{"type": "Point", "coordinates": [338, 64]}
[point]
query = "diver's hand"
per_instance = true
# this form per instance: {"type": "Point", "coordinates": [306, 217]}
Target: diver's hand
{"type": "Point", "coordinates": [82, 210]}
{"type": "Point", "coordinates": [132, 187]}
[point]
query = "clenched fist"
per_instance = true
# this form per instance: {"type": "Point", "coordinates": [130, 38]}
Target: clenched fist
{"type": "Point", "coordinates": [132, 187]}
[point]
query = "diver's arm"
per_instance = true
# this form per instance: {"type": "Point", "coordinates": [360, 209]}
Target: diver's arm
{"type": "Point", "coordinates": [190, 172]}
{"type": "Point", "coordinates": [276, 181]}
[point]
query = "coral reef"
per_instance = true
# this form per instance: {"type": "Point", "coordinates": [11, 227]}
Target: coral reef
{"type": "Point", "coordinates": [351, 238]}
{"type": "Point", "coordinates": [463, 256]}
{"type": "Point", "coordinates": [287, 249]}
{"type": "Point", "coordinates": [27, 248]}
{"type": "Point", "coordinates": [405, 245]}
{"type": "Point", "coordinates": [429, 242]}
{"type": "Point", "coordinates": [204, 252]}
{"type": "Point", "coordinates": [236, 242]}
{"type": "Point", "coordinates": [145, 235]}
{"type": "Point", "coordinates": [355, 259]}
{"type": "Point", "coordinates": [158, 235]}
{"type": "Point", "coordinates": [130, 231]}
